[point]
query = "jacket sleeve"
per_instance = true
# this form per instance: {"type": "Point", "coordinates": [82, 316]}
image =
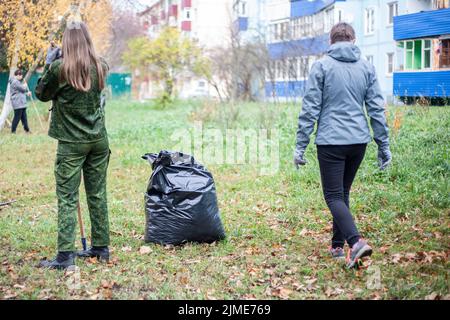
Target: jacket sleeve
{"type": "Point", "coordinates": [375, 109]}
{"type": "Point", "coordinates": [48, 83]}
{"type": "Point", "coordinates": [312, 105]}
{"type": "Point", "coordinates": [17, 86]}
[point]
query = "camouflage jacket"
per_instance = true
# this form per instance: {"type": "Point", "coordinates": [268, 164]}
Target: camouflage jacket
{"type": "Point", "coordinates": [76, 116]}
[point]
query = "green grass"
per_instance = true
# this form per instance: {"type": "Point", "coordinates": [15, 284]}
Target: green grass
{"type": "Point", "coordinates": [278, 226]}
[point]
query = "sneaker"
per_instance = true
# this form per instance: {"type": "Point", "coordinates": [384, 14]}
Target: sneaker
{"type": "Point", "coordinates": [337, 253]}
{"type": "Point", "coordinates": [359, 250]}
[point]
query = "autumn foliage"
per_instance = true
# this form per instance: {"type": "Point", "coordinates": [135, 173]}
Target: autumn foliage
{"type": "Point", "coordinates": [27, 24]}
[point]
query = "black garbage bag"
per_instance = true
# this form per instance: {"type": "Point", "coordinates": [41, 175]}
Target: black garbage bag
{"type": "Point", "coordinates": [180, 202]}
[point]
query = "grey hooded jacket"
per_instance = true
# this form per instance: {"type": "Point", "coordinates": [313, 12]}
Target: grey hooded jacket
{"type": "Point", "coordinates": [339, 86]}
{"type": "Point", "coordinates": [18, 94]}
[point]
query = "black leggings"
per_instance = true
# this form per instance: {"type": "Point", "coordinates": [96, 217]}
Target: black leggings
{"type": "Point", "coordinates": [20, 115]}
{"type": "Point", "coordinates": [338, 167]}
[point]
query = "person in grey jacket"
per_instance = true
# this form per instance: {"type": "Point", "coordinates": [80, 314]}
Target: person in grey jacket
{"type": "Point", "coordinates": [19, 94]}
{"type": "Point", "coordinates": [340, 85]}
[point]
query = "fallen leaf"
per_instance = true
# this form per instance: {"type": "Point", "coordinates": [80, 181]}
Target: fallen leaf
{"type": "Point", "coordinates": [281, 292]}
{"type": "Point", "coordinates": [126, 249]}
{"type": "Point", "coordinates": [432, 296]}
{"type": "Point", "coordinates": [145, 250]}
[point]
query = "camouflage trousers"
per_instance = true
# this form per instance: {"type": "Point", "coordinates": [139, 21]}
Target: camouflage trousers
{"type": "Point", "coordinates": [92, 159]}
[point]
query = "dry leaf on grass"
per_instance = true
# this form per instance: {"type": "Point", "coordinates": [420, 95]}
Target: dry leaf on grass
{"type": "Point", "coordinates": [432, 296]}
{"type": "Point", "coordinates": [145, 250]}
{"type": "Point", "coordinates": [281, 292]}
{"type": "Point", "coordinates": [126, 249]}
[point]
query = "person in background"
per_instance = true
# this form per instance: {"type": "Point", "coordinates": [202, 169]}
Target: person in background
{"type": "Point", "coordinates": [19, 92]}
{"type": "Point", "coordinates": [74, 83]}
{"type": "Point", "coordinates": [339, 86]}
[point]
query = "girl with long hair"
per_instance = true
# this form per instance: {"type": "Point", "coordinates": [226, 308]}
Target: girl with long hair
{"type": "Point", "coordinates": [74, 81]}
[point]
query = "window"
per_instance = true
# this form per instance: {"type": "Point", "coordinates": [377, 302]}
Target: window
{"type": "Point", "coordinates": [441, 4]}
{"type": "Point", "coordinates": [444, 61]}
{"type": "Point", "coordinates": [426, 63]}
{"type": "Point", "coordinates": [270, 71]}
{"type": "Point", "coordinates": [282, 31]}
{"type": "Point", "coordinates": [187, 14]}
{"type": "Point", "coordinates": [292, 68]}
{"type": "Point", "coordinates": [328, 20]}
{"type": "Point", "coordinates": [369, 21]}
{"type": "Point", "coordinates": [308, 26]}
{"type": "Point", "coordinates": [418, 54]}
{"type": "Point", "coordinates": [242, 8]}
{"type": "Point", "coordinates": [409, 55]}
{"type": "Point", "coordinates": [370, 59]}
{"type": "Point", "coordinates": [340, 15]}
{"type": "Point", "coordinates": [318, 23]}
{"type": "Point", "coordinates": [284, 69]}
{"type": "Point", "coordinates": [400, 63]}
{"type": "Point", "coordinates": [392, 12]}
{"type": "Point", "coordinates": [304, 67]}
{"type": "Point", "coordinates": [279, 69]}
{"type": "Point", "coordinates": [390, 62]}
{"type": "Point", "coordinates": [296, 29]}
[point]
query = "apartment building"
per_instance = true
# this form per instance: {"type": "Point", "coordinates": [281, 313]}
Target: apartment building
{"type": "Point", "coordinates": [299, 35]}
{"type": "Point", "coordinates": [373, 21]}
{"type": "Point", "coordinates": [205, 21]}
{"type": "Point", "coordinates": [250, 19]}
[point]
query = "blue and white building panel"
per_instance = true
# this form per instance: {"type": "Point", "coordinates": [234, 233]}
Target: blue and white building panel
{"type": "Point", "coordinates": [423, 54]}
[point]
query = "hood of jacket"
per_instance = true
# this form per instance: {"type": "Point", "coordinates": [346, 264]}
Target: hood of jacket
{"type": "Point", "coordinates": [344, 51]}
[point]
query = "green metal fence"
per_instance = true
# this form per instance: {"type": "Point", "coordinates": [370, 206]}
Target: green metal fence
{"type": "Point", "coordinates": [118, 84]}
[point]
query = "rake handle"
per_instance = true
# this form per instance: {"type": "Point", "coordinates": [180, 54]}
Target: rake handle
{"type": "Point", "coordinates": [80, 220]}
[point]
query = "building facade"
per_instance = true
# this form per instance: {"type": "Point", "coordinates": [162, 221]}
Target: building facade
{"type": "Point", "coordinates": [389, 33]}
{"type": "Point", "coordinates": [206, 22]}
{"type": "Point", "coordinates": [373, 21]}
{"type": "Point", "coordinates": [250, 19]}
{"type": "Point", "coordinates": [299, 34]}
{"type": "Point", "coordinates": [423, 54]}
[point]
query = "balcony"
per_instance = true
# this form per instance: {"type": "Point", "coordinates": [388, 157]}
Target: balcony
{"type": "Point", "coordinates": [186, 25]}
{"type": "Point", "coordinates": [241, 24]}
{"type": "Point", "coordinates": [422, 84]}
{"type": "Point", "coordinates": [186, 4]}
{"type": "Point", "coordinates": [422, 24]}
{"type": "Point", "coordinates": [306, 8]}
{"type": "Point", "coordinates": [173, 10]}
{"type": "Point", "coordinates": [303, 47]}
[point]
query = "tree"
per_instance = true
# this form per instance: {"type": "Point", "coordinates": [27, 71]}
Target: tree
{"type": "Point", "coordinates": [29, 25]}
{"type": "Point", "coordinates": [125, 25]}
{"type": "Point", "coordinates": [167, 57]}
{"type": "Point", "coordinates": [238, 69]}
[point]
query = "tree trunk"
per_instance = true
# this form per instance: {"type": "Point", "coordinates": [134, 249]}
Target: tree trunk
{"type": "Point", "coordinates": [169, 87]}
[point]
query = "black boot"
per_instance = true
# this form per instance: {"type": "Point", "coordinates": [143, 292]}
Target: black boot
{"type": "Point", "coordinates": [62, 261]}
{"type": "Point", "coordinates": [101, 253]}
